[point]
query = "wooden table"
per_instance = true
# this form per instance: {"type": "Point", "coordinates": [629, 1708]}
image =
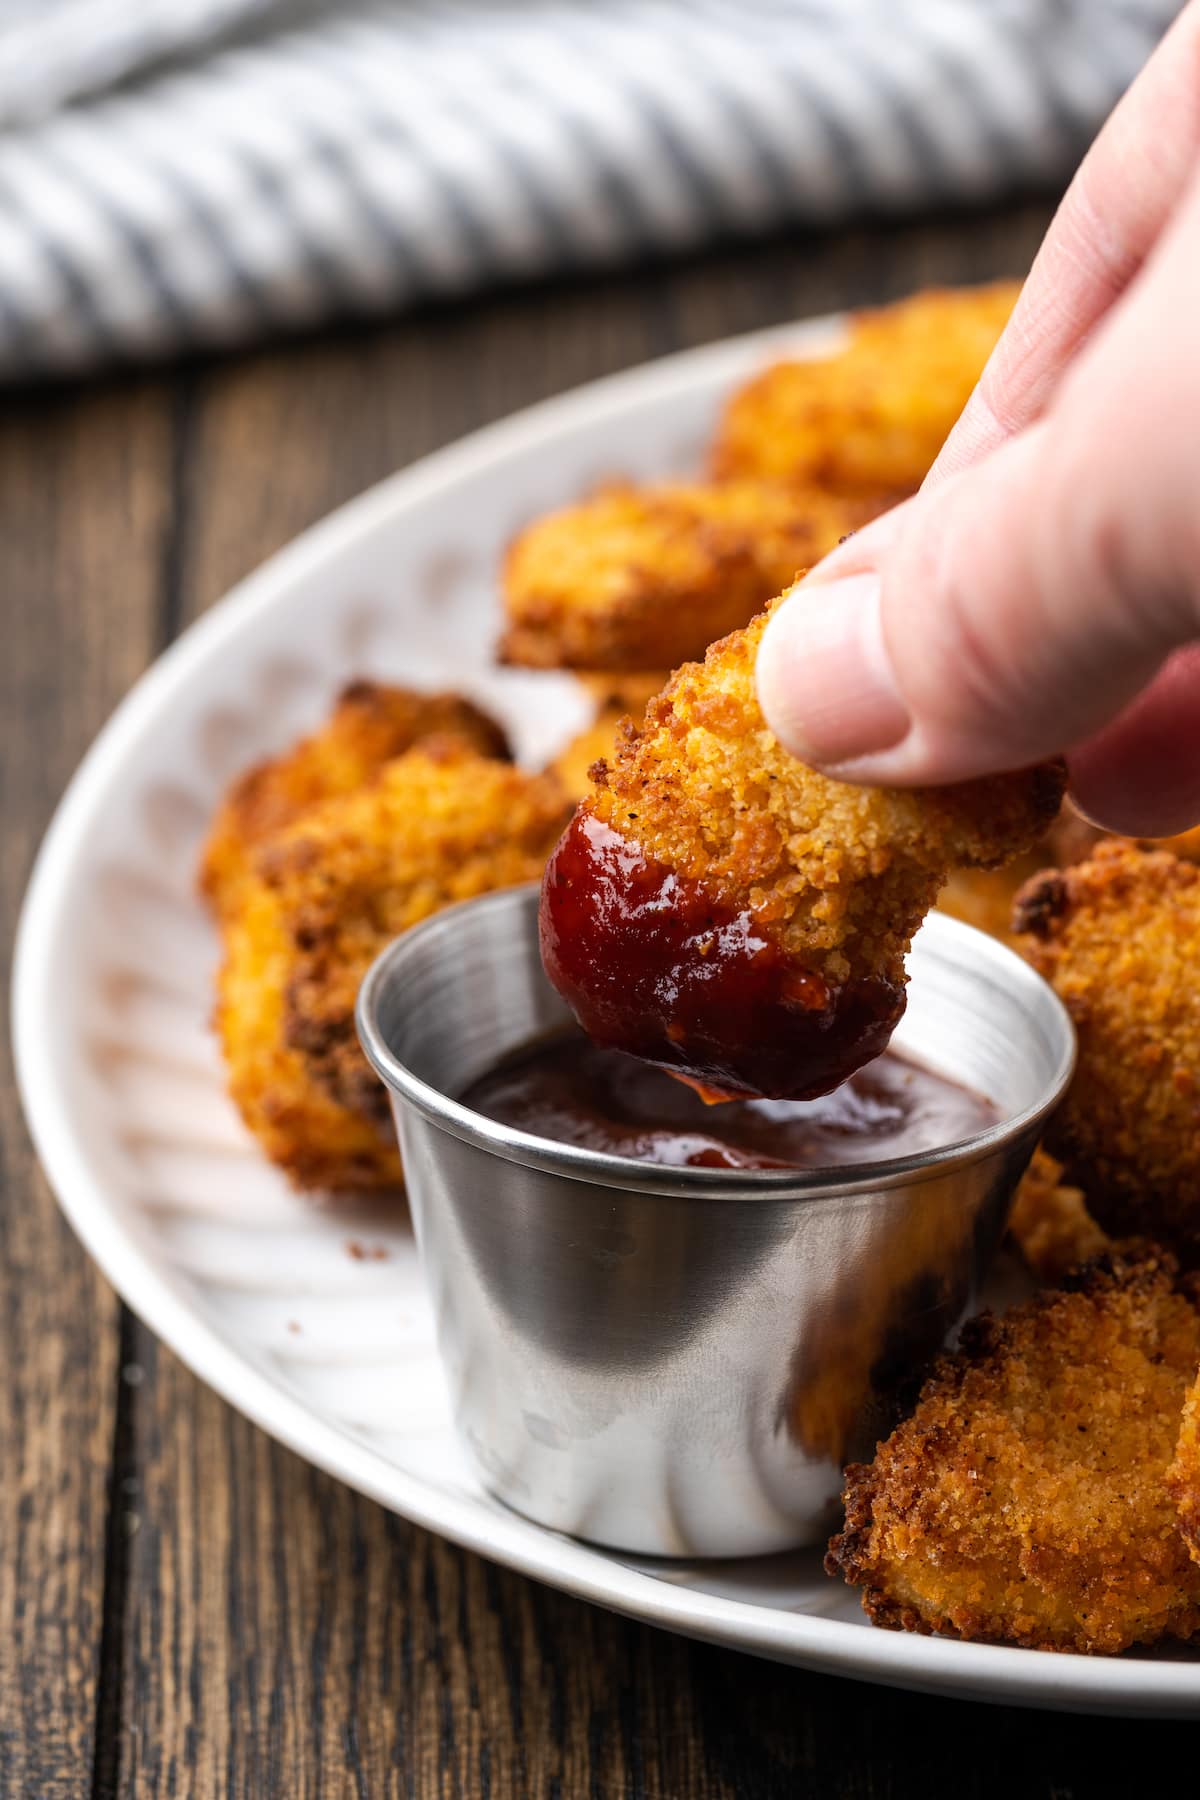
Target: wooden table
{"type": "Point", "coordinates": [185, 1607]}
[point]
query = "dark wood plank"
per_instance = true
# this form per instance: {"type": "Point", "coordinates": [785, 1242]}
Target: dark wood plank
{"type": "Point", "coordinates": [84, 518]}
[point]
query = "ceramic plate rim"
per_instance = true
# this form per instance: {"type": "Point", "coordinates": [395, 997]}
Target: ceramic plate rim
{"type": "Point", "coordinates": [933, 1665]}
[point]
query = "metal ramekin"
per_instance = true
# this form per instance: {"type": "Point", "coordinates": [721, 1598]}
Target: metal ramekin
{"type": "Point", "coordinates": [677, 1362]}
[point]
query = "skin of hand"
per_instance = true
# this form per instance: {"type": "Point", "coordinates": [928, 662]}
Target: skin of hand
{"type": "Point", "coordinates": [1042, 592]}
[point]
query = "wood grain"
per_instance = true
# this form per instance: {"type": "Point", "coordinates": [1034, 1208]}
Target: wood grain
{"type": "Point", "coordinates": [84, 516]}
{"type": "Point", "coordinates": [238, 1624]}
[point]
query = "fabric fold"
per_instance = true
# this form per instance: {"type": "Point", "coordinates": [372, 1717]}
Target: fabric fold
{"type": "Point", "coordinates": [190, 173]}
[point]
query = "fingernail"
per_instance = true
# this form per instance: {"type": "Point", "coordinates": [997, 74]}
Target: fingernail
{"type": "Point", "coordinates": [825, 680]}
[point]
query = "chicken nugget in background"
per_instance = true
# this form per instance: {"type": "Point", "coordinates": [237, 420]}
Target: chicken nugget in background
{"type": "Point", "coordinates": [984, 897]}
{"type": "Point", "coordinates": [1073, 839]}
{"type": "Point", "coordinates": [1185, 844]}
{"type": "Point", "coordinates": [1183, 1478]}
{"type": "Point", "coordinates": [720, 909]}
{"type": "Point", "coordinates": [370, 724]}
{"type": "Point", "coordinates": [874, 415]}
{"type": "Point", "coordinates": [1050, 1225]}
{"type": "Point", "coordinates": [1025, 1500]}
{"type": "Point", "coordinates": [622, 690]}
{"type": "Point", "coordinates": [575, 761]}
{"type": "Point", "coordinates": [645, 577]}
{"type": "Point", "coordinates": [440, 824]}
{"type": "Point", "coordinates": [617, 698]}
{"type": "Point", "coordinates": [1118, 937]}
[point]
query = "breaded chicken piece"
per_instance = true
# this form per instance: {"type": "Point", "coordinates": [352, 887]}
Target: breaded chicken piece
{"type": "Point", "coordinates": [640, 578]}
{"type": "Point", "coordinates": [617, 697]}
{"type": "Point", "coordinates": [369, 725]}
{"type": "Point", "coordinates": [1050, 1224]}
{"type": "Point", "coordinates": [873, 416]}
{"type": "Point", "coordinates": [720, 909]}
{"type": "Point", "coordinates": [1073, 839]}
{"type": "Point", "coordinates": [326, 895]}
{"type": "Point", "coordinates": [1185, 844]}
{"type": "Point", "coordinates": [1119, 939]}
{"type": "Point", "coordinates": [1183, 1478]}
{"type": "Point", "coordinates": [574, 763]}
{"type": "Point", "coordinates": [622, 690]}
{"type": "Point", "coordinates": [985, 897]}
{"type": "Point", "coordinates": [1025, 1500]}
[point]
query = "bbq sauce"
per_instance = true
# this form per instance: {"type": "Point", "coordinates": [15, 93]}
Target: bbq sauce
{"type": "Point", "coordinates": [573, 1091]}
{"type": "Point", "coordinates": [653, 964]}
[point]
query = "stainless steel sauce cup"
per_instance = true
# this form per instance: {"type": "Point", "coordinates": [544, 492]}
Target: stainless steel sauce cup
{"type": "Point", "coordinates": [677, 1362]}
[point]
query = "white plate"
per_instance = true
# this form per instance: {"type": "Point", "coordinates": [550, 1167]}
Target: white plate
{"type": "Point", "coordinates": [255, 1288]}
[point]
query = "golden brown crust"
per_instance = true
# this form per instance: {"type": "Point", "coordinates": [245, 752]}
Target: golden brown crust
{"type": "Point", "coordinates": [984, 897]}
{"type": "Point", "coordinates": [1072, 839]}
{"type": "Point", "coordinates": [369, 725]}
{"type": "Point", "coordinates": [598, 744]}
{"type": "Point", "coordinates": [440, 824]}
{"type": "Point", "coordinates": [1119, 939]}
{"type": "Point", "coordinates": [617, 698]}
{"type": "Point", "coordinates": [1185, 844]}
{"type": "Point", "coordinates": [1049, 1224]}
{"type": "Point", "coordinates": [637, 578]}
{"type": "Point", "coordinates": [873, 416]}
{"type": "Point", "coordinates": [1024, 1501]}
{"type": "Point", "coordinates": [622, 690]}
{"type": "Point", "coordinates": [1183, 1478]}
{"type": "Point", "coordinates": [840, 876]}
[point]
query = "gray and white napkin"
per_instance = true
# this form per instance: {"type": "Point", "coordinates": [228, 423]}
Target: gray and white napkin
{"type": "Point", "coordinates": [183, 173]}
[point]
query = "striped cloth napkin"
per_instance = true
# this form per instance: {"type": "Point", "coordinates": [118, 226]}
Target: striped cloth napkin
{"type": "Point", "coordinates": [179, 173]}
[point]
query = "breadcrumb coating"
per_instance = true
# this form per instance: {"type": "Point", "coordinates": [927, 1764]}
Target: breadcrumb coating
{"type": "Point", "coordinates": [1050, 1224]}
{"type": "Point", "coordinates": [836, 872]}
{"type": "Point", "coordinates": [440, 824]}
{"type": "Point", "coordinates": [1185, 844]}
{"type": "Point", "coordinates": [640, 578]}
{"type": "Point", "coordinates": [836, 878]}
{"type": "Point", "coordinates": [985, 897]}
{"type": "Point", "coordinates": [1118, 937]}
{"type": "Point", "coordinates": [1072, 839]}
{"type": "Point", "coordinates": [622, 690]}
{"type": "Point", "coordinates": [874, 416]}
{"type": "Point", "coordinates": [617, 698]}
{"type": "Point", "coordinates": [369, 725]}
{"type": "Point", "coordinates": [1025, 1500]}
{"type": "Point", "coordinates": [574, 763]}
{"type": "Point", "coordinates": [1183, 1479]}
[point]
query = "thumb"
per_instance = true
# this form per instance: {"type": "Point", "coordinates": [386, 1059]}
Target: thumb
{"type": "Point", "coordinates": [1009, 613]}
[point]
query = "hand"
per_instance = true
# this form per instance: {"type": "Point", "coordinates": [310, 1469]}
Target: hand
{"type": "Point", "coordinates": [1042, 592]}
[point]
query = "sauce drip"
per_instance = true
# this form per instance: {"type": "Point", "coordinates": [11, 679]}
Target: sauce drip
{"type": "Point", "coordinates": [652, 964]}
{"type": "Point", "coordinates": [575, 1092]}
